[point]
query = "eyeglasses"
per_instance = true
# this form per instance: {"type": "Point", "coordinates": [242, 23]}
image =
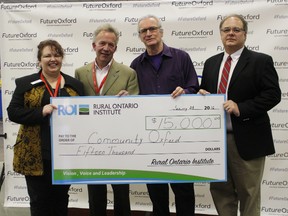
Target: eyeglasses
{"type": "Point", "coordinates": [151, 29]}
{"type": "Point", "coordinates": [234, 30]}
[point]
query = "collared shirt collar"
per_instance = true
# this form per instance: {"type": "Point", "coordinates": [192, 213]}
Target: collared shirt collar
{"type": "Point", "coordinates": [106, 68]}
{"type": "Point", "coordinates": [165, 52]}
{"type": "Point", "coordinates": [235, 56]}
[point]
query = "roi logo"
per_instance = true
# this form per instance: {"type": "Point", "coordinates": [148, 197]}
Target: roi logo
{"type": "Point", "coordinates": [67, 109]}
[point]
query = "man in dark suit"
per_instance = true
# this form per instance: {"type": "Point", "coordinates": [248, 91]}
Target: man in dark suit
{"type": "Point", "coordinates": [252, 90]}
{"type": "Point", "coordinates": [105, 76]}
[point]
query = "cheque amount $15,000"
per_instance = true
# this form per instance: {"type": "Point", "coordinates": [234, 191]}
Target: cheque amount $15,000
{"type": "Point", "coordinates": [180, 122]}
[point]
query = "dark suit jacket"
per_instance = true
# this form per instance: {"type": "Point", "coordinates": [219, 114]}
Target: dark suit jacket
{"type": "Point", "coordinates": [120, 77]}
{"type": "Point", "coordinates": [254, 87]}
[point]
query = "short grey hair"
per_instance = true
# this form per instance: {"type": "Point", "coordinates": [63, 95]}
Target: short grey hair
{"type": "Point", "coordinates": [159, 24]}
{"type": "Point", "coordinates": [107, 28]}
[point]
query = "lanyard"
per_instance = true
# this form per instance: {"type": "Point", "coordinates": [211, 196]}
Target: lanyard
{"type": "Point", "coordinates": [48, 87]}
{"type": "Point", "coordinates": [97, 89]}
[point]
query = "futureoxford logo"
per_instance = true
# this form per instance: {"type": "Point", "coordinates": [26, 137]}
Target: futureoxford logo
{"type": "Point", "coordinates": [189, 4]}
{"type": "Point", "coordinates": [102, 6]}
{"type": "Point", "coordinates": [18, 7]}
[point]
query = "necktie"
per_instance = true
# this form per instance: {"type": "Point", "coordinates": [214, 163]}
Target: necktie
{"type": "Point", "coordinates": [225, 76]}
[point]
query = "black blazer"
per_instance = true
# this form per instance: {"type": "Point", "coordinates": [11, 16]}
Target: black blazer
{"type": "Point", "coordinates": [16, 111]}
{"type": "Point", "coordinates": [255, 88]}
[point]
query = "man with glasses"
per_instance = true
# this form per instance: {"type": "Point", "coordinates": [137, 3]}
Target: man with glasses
{"type": "Point", "coordinates": [252, 90]}
{"type": "Point", "coordinates": [105, 76]}
{"type": "Point", "coordinates": [165, 70]}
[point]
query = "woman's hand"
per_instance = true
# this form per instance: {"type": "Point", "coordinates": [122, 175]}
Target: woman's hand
{"type": "Point", "coordinates": [48, 109]}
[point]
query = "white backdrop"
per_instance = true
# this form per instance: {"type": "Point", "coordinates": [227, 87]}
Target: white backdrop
{"type": "Point", "coordinates": [188, 25]}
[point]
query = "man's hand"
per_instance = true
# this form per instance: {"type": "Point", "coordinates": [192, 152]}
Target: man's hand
{"type": "Point", "coordinates": [231, 107]}
{"type": "Point", "coordinates": [178, 91]}
{"type": "Point", "coordinates": [122, 93]}
{"type": "Point", "coordinates": [203, 92]}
